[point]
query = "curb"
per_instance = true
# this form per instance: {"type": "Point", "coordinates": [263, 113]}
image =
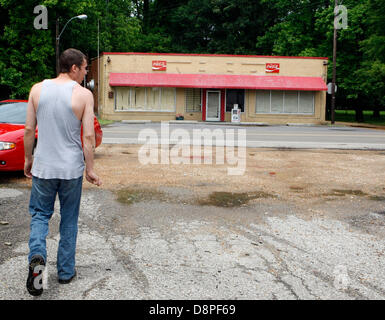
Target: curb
{"type": "Point", "coordinates": [182, 121]}
{"type": "Point", "coordinates": [262, 124]}
{"type": "Point", "coordinates": [136, 121]}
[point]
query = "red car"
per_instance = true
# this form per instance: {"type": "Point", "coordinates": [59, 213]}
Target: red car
{"type": "Point", "coordinates": [13, 114]}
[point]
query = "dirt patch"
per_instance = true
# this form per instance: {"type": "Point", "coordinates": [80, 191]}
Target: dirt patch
{"type": "Point", "coordinates": [302, 176]}
{"type": "Point", "coordinates": [299, 175]}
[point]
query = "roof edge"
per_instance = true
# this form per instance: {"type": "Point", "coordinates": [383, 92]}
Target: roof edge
{"type": "Point", "coordinates": [209, 55]}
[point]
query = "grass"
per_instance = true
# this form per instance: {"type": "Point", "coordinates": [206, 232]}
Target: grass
{"type": "Point", "coordinates": [350, 116]}
{"type": "Point", "coordinates": [104, 122]}
{"type": "Point", "coordinates": [130, 195]}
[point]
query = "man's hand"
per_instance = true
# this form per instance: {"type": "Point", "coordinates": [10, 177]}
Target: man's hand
{"type": "Point", "coordinates": [93, 178]}
{"type": "Point", "coordinates": [27, 168]}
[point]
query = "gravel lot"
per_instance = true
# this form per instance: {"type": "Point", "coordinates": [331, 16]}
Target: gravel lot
{"type": "Point", "coordinates": [299, 224]}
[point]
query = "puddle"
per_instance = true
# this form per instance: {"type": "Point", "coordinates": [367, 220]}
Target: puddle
{"type": "Point", "coordinates": [342, 192]}
{"type": "Point", "coordinates": [230, 199]}
{"type": "Point", "coordinates": [296, 188]}
{"type": "Point", "coordinates": [377, 198]}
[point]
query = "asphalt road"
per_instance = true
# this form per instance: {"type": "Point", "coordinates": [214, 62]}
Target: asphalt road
{"type": "Point", "coordinates": [171, 250]}
{"type": "Point", "coordinates": [295, 136]}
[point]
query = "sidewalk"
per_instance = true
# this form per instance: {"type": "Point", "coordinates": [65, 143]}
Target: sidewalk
{"type": "Point", "coordinates": [262, 124]}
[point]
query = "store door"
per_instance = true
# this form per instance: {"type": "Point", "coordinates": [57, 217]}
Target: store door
{"type": "Point", "coordinates": [213, 105]}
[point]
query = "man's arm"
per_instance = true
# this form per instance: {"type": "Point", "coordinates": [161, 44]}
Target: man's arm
{"type": "Point", "coordinates": [89, 139]}
{"type": "Point", "coordinates": [29, 133]}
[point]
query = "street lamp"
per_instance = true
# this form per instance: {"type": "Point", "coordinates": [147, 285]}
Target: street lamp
{"type": "Point", "coordinates": [81, 17]}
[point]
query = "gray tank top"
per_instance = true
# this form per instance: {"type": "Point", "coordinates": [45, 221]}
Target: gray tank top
{"type": "Point", "coordinates": [59, 153]}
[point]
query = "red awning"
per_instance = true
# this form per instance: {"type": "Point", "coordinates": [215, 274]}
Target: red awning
{"type": "Point", "coordinates": [218, 81]}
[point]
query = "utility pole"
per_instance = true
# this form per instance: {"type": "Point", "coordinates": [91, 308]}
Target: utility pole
{"type": "Point", "coordinates": [82, 17]}
{"type": "Point", "coordinates": [57, 46]}
{"type": "Point", "coordinates": [333, 102]}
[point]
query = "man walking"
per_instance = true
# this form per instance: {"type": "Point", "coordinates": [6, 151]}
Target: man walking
{"type": "Point", "coordinates": [59, 107]}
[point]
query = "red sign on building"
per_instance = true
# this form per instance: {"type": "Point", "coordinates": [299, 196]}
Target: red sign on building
{"type": "Point", "coordinates": [272, 68]}
{"type": "Point", "coordinates": [159, 65]}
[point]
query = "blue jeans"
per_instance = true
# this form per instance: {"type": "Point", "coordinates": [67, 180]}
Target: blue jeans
{"type": "Point", "coordinates": [41, 207]}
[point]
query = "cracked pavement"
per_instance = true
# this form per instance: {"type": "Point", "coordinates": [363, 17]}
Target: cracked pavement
{"type": "Point", "coordinates": [270, 249]}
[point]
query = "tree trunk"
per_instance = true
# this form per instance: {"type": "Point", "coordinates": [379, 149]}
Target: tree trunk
{"type": "Point", "coordinates": [146, 6]}
{"type": "Point", "coordinates": [376, 113]}
{"type": "Point", "coordinates": [359, 114]}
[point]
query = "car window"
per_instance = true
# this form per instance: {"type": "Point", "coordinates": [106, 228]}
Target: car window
{"type": "Point", "coordinates": [13, 112]}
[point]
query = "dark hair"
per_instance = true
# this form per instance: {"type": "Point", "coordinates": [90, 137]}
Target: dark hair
{"type": "Point", "coordinates": [70, 57]}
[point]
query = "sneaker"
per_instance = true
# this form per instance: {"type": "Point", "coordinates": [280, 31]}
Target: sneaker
{"type": "Point", "coordinates": [62, 281]}
{"type": "Point", "coordinates": [35, 286]}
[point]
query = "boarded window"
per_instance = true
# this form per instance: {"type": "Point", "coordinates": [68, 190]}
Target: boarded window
{"type": "Point", "coordinates": [276, 102]}
{"type": "Point", "coordinates": [168, 99]}
{"type": "Point", "coordinates": [263, 102]}
{"type": "Point", "coordinates": [306, 102]}
{"type": "Point", "coordinates": [291, 102]}
{"type": "Point", "coordinates": [153, 99]}
{"type": "Point", "coordinates": [284, 102]}
{"type": "Point", "coordinates": [138, 100]}
{"type": "Point", "coordinates": [122, 99]}
{"type": "Point", "coordinates": [193, 100]}
{"type": "Point", "coordinates": [145, 99]}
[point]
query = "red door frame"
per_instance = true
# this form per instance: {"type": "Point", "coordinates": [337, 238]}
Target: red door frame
{"type": "Point", "coordinates": [222, 108]}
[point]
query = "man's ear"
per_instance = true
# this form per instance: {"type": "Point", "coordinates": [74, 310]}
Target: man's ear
{"type": "Point", "coordinates": [73, 67]}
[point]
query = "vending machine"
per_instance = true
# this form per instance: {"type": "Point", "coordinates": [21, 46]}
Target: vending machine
{"type": "Point", "coordinates": [235, 114]}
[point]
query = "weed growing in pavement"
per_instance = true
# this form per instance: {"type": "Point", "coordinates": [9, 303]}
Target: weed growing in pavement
{"type": "Point", "coordinates": [130, 196]}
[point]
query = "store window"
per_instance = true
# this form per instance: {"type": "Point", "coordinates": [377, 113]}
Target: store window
{"type": "Point", "coordinates": [145, 99]}
{"type": "Point", "coordinates": [286, 102]}
{"type": "Point", "coordinates": [306, 102]}
{"type": "Point", "coordinates": [168, 97]}
{"type": "Point", "coordinates": [235, 96]}
{"type": "Point", "coordinates": [193, 100]}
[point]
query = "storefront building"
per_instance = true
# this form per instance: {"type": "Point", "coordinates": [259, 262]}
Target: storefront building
{"type": "Point", "coordinates": [203, 87]}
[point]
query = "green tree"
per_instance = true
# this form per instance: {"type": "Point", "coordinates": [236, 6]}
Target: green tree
{"type": "Point", "coordinates": [305, 28]}
{"type": "Point", "coordinates": [372, 69]}
{"type": "Point", "coordinates": [27, 55]}
{"type": "Point", "coordinates": [262, 27]}
{"type": "Point", "coordinates": [210, 26]}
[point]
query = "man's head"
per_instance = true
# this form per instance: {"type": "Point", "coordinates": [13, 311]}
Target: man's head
{"type": "Point", "coordinates": [74, 63]}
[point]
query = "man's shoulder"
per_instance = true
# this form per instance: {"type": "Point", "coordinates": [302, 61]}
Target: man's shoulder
{"type": "Point", "coordinates": [35, 92]}
{"type": "Point", "coordinates": [81, 91]}
{"type": "Point", "coordinates": [37, 86]}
